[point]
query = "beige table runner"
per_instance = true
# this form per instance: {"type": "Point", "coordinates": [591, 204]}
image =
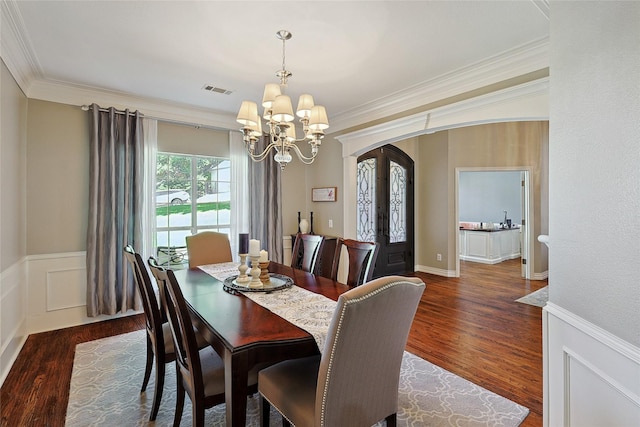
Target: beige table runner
{"type": "Point", "coordinates": [305, 309]}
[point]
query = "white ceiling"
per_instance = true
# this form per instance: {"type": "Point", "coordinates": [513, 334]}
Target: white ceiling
{"type": "Point", "coordinates": [358, 58]}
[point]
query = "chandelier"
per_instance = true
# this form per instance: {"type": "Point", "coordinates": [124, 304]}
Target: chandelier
{"type": "Point", "coordinates": [278, 114]}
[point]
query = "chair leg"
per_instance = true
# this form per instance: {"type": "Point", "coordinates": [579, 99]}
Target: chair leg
{"type": "Point", "coordinates": [265, 411]}
{"type": "Point", "coordinates": [149, 365]}
{"type": "Point", "coordinates": [391, 420]}
{"type": "Point", "coordinates": [179, 401]}
{"type": "Point", "coordinates": [197, 411]}
{"type": "Point", "coordinates": [157, 394]}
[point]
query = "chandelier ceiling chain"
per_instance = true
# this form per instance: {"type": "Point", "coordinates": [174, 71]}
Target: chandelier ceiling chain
{"type": "Point", "coordinates": [278, 114]}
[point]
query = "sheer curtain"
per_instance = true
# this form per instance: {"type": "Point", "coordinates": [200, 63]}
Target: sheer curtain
{"type": "Point", "coordinates": [266, 203]}
{"type": "Point", "coordinates": [150, 127]}
{"type": "Point", "coordinates": [116, 176]}
{"type": "Point", "coordinates": [239, 190]}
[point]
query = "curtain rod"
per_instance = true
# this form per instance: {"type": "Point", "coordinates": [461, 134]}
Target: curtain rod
{"type": "Point", "coordinates": [104, 110]}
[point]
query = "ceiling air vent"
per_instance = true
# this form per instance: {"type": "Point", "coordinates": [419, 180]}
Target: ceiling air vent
{"type": "Point", "coordinates": [212, 88]}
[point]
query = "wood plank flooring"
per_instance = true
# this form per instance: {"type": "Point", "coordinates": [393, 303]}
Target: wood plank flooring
{"type": "Point", "coordinates": [469, 325]}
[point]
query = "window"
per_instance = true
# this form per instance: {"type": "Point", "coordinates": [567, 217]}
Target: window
{"type": "Point", "coordinates": [193, 194]}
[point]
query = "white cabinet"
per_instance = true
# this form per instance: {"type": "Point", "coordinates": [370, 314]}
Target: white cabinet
{"type": "Point", "coordinates": [489, 247]}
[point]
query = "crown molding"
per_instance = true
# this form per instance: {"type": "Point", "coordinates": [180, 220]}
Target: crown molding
{"type": "Point", "coordinates": [16, 49]}
{"type": "Point", "coordinates": [17, 53]}
{"type": "Point", "coordinates": [525, 102]}
{"type": "Point", "coordinates": [513, 63]}
{"type": "Point", "coordinates": [73, 94]}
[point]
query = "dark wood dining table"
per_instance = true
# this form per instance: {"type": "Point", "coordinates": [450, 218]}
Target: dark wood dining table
{"type": "Point", "coordinates": [246, 334]}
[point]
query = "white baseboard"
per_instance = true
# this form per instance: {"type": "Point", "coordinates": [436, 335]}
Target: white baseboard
{"type": "Point", "coordinates": [591, 377]}
{"type": "Point", "coordinates": [541, 276]}
{"type": "Point", "coordinates": [436, 271]}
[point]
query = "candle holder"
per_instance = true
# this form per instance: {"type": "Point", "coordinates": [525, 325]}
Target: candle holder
{"type": "Point", "coordinates": [243, 279]}
{"type": "Point", "coordinates": [264, 272]}
{"type": "Point", "coordinates": [255, 272]}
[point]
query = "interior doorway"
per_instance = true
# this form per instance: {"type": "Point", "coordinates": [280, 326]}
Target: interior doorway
{"type": "Point", "coordinates": [491, 191]}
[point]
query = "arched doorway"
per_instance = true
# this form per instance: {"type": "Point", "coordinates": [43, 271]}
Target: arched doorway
{"type": "Point", "coordinates": [385, 207]}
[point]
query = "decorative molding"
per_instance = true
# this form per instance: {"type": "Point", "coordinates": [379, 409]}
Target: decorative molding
{"type": "Point", "coordinates": [74, 94]}
{"type": "Point", "coordinates": [58, 290]}
{"type": "Point", "coordinates": [17, 51]}
{"type": "Point", "coordinates": [515, 62]}
{"type": "Point", "coordinates": [590, 375]}
{"type": "Point", "coordinates": [22, 62]}
{"type": "Point", "coordinates": [528, 101]}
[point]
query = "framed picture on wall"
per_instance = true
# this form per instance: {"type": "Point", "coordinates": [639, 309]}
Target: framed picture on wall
{"type": "Point", "coordinates": [324, 194]}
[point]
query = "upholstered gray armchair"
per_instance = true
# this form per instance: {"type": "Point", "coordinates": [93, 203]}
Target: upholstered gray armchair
{"type": "Point", "coordinates": [355, 381]}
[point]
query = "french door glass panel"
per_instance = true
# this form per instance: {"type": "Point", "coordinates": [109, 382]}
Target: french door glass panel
{"type": "Point", "coordinates": [366, 197]}
{"type": "Point", "coordinates": [397, 203]}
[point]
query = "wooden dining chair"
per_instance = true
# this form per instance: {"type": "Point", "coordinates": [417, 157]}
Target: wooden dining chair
{"type": "Point", "coordinates": [362, 260]}
{"type": "Point", "coordinates": [159, 341]}
{"type": "Point", "coordinates": [355, 380]}
{"type": "Point", "coordinates": [306, 250]}
{"type": "Point", "coordinates": [200, 371]}
{"type": "Point", "coordinates": [208, 247]}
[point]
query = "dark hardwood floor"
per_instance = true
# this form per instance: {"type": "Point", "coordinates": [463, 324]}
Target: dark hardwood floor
{"type": "Point", "coordinates": [469, 325]}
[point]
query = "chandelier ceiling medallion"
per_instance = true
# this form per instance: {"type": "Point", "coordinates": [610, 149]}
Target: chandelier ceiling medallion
{"type": "Point", "coordinates": [278, 114]}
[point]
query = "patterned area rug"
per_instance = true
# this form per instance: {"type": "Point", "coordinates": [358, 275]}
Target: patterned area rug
{"type": "Point", "coordinates": [538, 298]}
{"type": "Point", "coordinates": [107, 375]}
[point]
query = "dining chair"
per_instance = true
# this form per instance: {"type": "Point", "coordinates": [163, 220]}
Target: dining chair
{"type": "Point", "coordinates": [159, 342]}
{"type": "Point", "coordinates": [208, 247]}
{"type": "Point", "coordinates": [199, 372]}
{"type": "Point", "coordinates": [306, 250]}
{"type": "Point", "coordinates": [355, 381]}
{"type": "Point", "coordinates": [362, 260]}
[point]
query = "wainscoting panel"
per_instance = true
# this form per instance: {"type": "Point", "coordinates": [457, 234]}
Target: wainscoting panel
{"type": "Point", "coordinates": [13, 315]}
{"type": "Point", "coordinates": [593, 377]}
{"type": "Point", "coordinates": [57, 292]}
{"type": "Point", "coordinates": [63, 291]}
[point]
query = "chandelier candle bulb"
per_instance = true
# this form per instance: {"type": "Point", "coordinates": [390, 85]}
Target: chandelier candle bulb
{"type": "Point", "coordinates": [254, 248]}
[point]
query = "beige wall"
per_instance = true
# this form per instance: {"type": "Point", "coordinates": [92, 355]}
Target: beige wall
{"type": "Point", "coordinates": [57, 178]}
{"type": "Point", "coordinates": [512, 144]}
{"type": "Point", "coordinates": [13, 125]}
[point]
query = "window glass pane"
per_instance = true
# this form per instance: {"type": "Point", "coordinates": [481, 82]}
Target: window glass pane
{"type": "Point", "coordinates": [193, 194]}
{"type": "Point", "coordinates": [397, 203]}
{"type": "Point", "coordinates": [366, 200]}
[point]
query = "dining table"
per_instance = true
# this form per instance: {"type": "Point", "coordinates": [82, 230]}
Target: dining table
{"type": "Point", "coordinates": [246, 334]}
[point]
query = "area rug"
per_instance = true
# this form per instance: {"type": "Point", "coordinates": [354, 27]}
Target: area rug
{"type": "Point", "coordinates": [107, 375]}
{"type": "Point", "coordinates": [538, 298]}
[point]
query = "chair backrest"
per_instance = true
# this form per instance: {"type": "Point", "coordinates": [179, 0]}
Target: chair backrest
{"type": "Point", "coordinates": [306, 250]}
{"type": "Point", "coordinates": [208, 247]}
{"type": "Point", "coordinates": [362, 260]}
{"type": "Point", "coordinates": [153, 314]}
{"type": "Point", "coordinates": [359, 370]}
{"type": "Point", "coordinates": [184, 337]}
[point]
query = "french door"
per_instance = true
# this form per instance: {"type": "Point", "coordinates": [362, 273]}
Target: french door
{"type": "Point", "coordinates": [385, 208]}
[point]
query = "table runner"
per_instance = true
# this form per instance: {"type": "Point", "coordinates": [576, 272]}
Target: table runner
{"type": "Point", "coordinates": [305, 309]}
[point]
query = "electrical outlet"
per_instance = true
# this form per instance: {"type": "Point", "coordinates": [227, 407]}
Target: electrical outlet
{"type": "Point", "coordinates": [439, 257]}
{"type": "Point", "coordinates": [330, 223]}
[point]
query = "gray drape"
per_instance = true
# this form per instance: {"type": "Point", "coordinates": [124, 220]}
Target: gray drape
{"type": "Point", "coordinates": [115, 215]}
{"type": "Point", "coordinates": [266, 203]}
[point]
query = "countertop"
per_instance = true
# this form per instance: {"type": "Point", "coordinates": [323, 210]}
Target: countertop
{"type": "Point", "coordinates": [489, 231]}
